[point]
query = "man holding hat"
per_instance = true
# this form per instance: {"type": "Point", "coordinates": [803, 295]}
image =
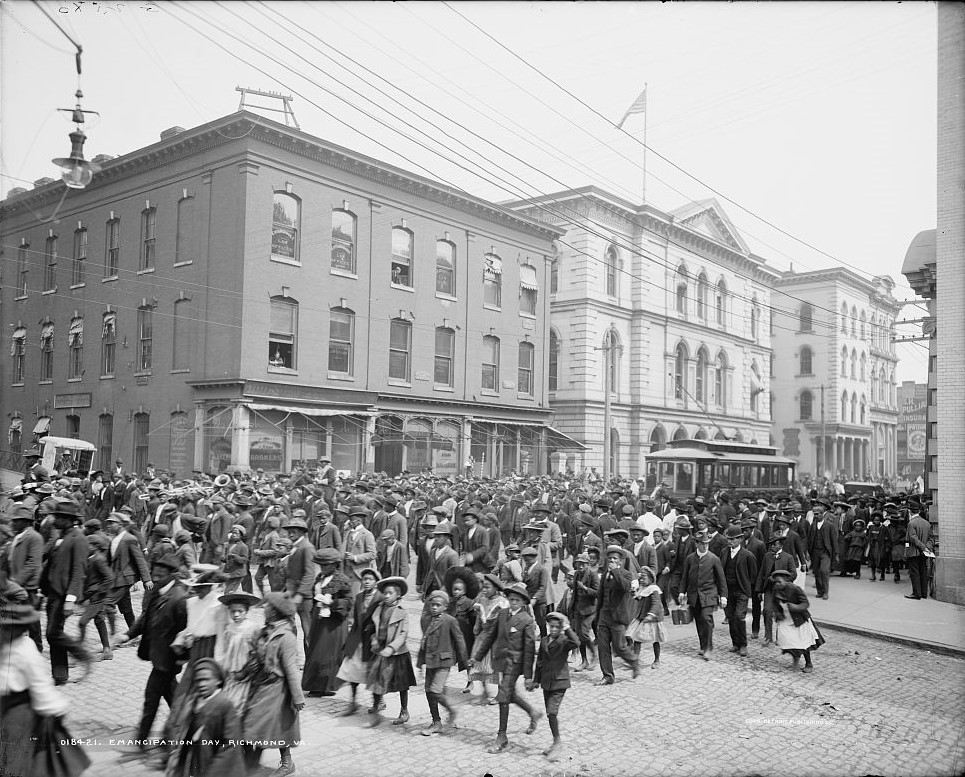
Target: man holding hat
{"type": "Point", "coordinates": [25, 560]}
{"type": "Point", "coordinates": [62, 582]}
{"type": "Point", "coordinates": [613, 613]}
{"type": "Point", "coordinates": [703, 585]}
{"type": "Point", "coordinates": [740, 574]}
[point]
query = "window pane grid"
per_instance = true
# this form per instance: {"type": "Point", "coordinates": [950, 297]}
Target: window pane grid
{"type": "Point", "coordinates": [445, 340]}
{"type": "Point", "coordinates": [525, 371]}
{"type": "Point", "coordinates": [340, 342]}
{"type": "Point", "coordinates": [401, 267]}
{"type": "Point", "coordinates": [148, 236]}
{"type": "Point", "coordinates": [490, 364]}
{"type": "Point", "coordinates": [343, 241]}
{"type": "Point", "coordinates": [400, 333]}
{"type": "Point", "coordinates": [113, 252]}
{"type": "Point", "coordinates": [80, 257]}
{"type": "Point", "coordinates": [50, 264]}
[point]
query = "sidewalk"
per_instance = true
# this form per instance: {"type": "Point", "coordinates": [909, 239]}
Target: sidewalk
{"type": "Point", "coordinates": [880, 610]}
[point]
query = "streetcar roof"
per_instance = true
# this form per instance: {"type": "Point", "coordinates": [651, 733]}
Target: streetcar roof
{"type": "Point", "coordinates": [696, 454]}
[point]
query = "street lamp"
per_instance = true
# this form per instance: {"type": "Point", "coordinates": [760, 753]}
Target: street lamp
{"type": "Point", "coordinates": [76, 171]}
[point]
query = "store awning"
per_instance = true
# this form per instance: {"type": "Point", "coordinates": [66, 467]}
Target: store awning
{"type": "Point", "coordinates": [43, 425]}
{"type": "Point", "coordinates": [556, 439]}
{"type": "Point", "coordinates": [494, 266]}
{"type": "Point", "coordinates": [527, 277]}
{"type": "Point", "coordinates": [16, 424]}
{"type": "Point", "coordinates": [312, 411]}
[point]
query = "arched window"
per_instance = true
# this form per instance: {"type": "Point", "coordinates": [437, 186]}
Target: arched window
{"type": "Point", "coordinates": [864, 366]}
{"type": "Point", "coordinates": [854, 321]}
{"type": "Point", "coordinates": [701, 434]}
{"type": "Point", "coordinates": [680, 434]}
{"type": "Point", "coordinates": [864, 409]}
{"type": "Point", "coordinates": [700, 382]}
{"type": "Point", "coordinates": [47, 351]}
{"type": "Point", "coordinates": [492, 281]}
{"type": "Point", "coordinates": [806, 317]}
{"type": "Point", "coordinates": [108, 344]}
{"type": "Point", "coordinates": [755, 387]}
{"type": "Point", "coordinates": [844, 362]}
{"type": "Point", "coordinates": [554, 355]}
{"type": "Point", "coordinates": [680, 372]}
{"type": "Point", "coordinates": [720, 380]}
{"type": "Point", "coordinates": [720, 435]}
{"type": "Point", "coordinates": [680, 303]}
{"type": "Point", "coordinates": [874, 383]}
{"type": "Point", "coordinates": [612, 267]}
{"type": "Point", "coordinates": [343, 241]}
{"type": "Point", "coordinates": [805, 361]}
{"type": "Point", "coordinates": [528, 290]}
{"type": "Point", "coordinates": [862, 328]}
{"type": "Point", "coordinates": [658, 439]}
{"type": "Point", "coordinates": [525, 383]}
{"type": "Point", "coordinates": [285, 220]}
{"type": "Point", "coordinates": [854, 408]}
{"type": "Point", "coordinates": [702, 296]}
{"type": "Point", "coordinates": [844, 318]}
{"type": "Point", "coordinates": [844, 407]}
{"type": "Point", "coordinates": [806, 405]}
{"type": "Point", "coordinates": [446, 267]}
{"type": "Point", "coordinates": [401, 268]}
{"type": "Point", "coordinates": [490, 363]}
{"type": "Point", "coordinates": [720, 303]}
{"type": "Point", "coordinates": [75, 345]}
{"type": "Point", "coordinates": [341, 341]}
{"type": "Point", "coordinates": [854, 364]}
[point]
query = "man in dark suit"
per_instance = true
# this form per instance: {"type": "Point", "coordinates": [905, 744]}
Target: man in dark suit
{"type": "Point", "coordinates": [128, 566]}
{"type": "Point", "coordinates": [740, 574]}
{"type": "Point", "coordinates": [822, 546]}
{"type": "Point", "coordinates": [24, 561]}
{"type": "Point", "coordinates": [476, 543]}
{"type": "Point", "coordinates": [758, 550]}
{"type": "Point", "coordinates": [512, 637]}
{"type": "Point", "coordinates": [62, 582]}
{"type": "Point", "coordinates": [300, 573]}
{"type": "Point", "coordinates": [919, 532]}
{"type": "Point", "coordinates": [613, 614]}
{"type": "Point", "coordinates": [703, 585]}
{"type": "Point", "coordinates": [588, 537]}
{"type": "Point", "coordinates": [775, 559]}
{"type": "Point", "coordinates": [163, 615]}
{"type": "Point", "coordinates": [644, 553]}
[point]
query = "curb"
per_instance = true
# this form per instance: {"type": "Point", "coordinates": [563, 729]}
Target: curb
{"type": "Point", "coordinates": [953, 651]}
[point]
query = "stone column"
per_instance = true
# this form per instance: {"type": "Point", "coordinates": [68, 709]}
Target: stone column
{"type": "Point", "coordinates": [199, 437]}
{"type": "Point", "coordinates": [240, 438]}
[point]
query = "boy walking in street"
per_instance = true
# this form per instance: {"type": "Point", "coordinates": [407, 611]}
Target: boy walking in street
{"type": "Point", "coordinates": [442, 646]}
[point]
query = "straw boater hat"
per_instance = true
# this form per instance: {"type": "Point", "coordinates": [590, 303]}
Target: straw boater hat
{"type": "Point", "coordinates": [398, 582]}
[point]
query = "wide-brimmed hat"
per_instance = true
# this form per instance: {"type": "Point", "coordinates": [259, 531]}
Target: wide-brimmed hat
{"type": "Point", "coordinates": [443, 528]}
{"type": "Point", "coordinates": [858, 521]}
{"type": "Point", "coordinates": [734, 533]}
{"type": "Point", "coordinates": [399, 582]}
{"type": "Point", "coordinates": [284, 605]}
{"type": "Point", "coordinates": [239, 597]}
{"type": "Point", "coordinates": [518, 589]}
{"type": "Point", "coordinates": [21, 513]}
{"type": "Point", "coordinates": [615, 549]}
{"type": "Point", "coordinates": [467, 576]}
{"type": "Point", "coordinates": [683, 523]}
{"type": "Point", "coordinates": [295, 523]}
{"type": "Point", "coordinates": [170, 561]}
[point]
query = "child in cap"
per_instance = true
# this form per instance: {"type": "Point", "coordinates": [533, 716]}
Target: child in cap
{"type": "Point", "coordinates": [442, 647]}
{"type": "Point", "coordinates": [552, 673]}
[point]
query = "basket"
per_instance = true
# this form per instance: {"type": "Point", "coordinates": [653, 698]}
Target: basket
{"type": "Point", "coordinates": [681, 616]}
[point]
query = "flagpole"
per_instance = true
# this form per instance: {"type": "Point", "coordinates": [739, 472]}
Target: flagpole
{"type": "Point", "coordinates": [646, 116]}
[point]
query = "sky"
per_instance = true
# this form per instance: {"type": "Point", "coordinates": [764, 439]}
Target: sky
{"type": "Point", "coordinates": [813, 124]}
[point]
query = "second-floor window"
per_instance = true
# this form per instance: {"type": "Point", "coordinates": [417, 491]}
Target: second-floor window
{"type": "Point", "coordinates": [400, 345]}
{"type": "Point", "coordinates": [23, 268]}
{"type": "Point", "coordinates": [341, 336]}
{"type": "Point", "coordinates": [490, 363]}
{"type": "Point", "coordinates": [527, 363]}
{"type": "Point", "coordinates": [492, 281]}
{"type": "Point", "coordinates": [75, 345]}
{"type": "Point", "coordinates": [145, 338]}
{"type": "Point", "coordinates": [18, 352]}
{"type": "Point", "coordinates": [108, 344]}
{"type": "Point", "coordinates": [47, 352]}
{"type": "Point", "coordinates": [445, 350]}
{"type": "Point", "coordinates": [528, 290]}
{"type": "Point", "coordinates": [282, 333]}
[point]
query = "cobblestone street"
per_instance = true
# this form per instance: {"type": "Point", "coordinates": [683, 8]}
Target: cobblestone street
{"type": "Point", "coordinates": [870, 707]}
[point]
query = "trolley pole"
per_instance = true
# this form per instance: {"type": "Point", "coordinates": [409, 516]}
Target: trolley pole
{"type": "Point", "coordinates": [824, 438]}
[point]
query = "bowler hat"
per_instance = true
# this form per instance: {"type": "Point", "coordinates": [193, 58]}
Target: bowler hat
{"type": "Point", "coordinates": [682, 523]}
{"type": "Point", "coordinates": [295, 523]}
{"type": "Point", "coordinates": [66, 508]}
{"type": "Point", "coordinates": [734, 533]}
{"type": "Point", "coordinates": [516, 589]}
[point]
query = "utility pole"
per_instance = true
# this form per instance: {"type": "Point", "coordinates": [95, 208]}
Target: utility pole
{"type": "Point", "coordinates": [606, 348]}
{"type": "Point", "coordinates": [824, 439]}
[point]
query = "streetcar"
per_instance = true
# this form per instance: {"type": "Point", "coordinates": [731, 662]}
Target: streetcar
{"type": "Point", "coordinates": [689, 468]}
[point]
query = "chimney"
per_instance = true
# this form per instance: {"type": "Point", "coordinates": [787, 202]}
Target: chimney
{"type": "Point", "coordinates": [42, 182]}
{"type": "Point", "coordinates": [15, 191]}
{"type": "Point", "coordinates": [101, 158]}
{"type": "Point", "coordinates": [171, 132]}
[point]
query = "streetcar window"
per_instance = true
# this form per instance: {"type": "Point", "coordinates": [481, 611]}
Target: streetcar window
{"type": "Point", "coordinates": [765, 475]}
{"type": "Point", "coordinates": [666, 474]}
{"type": "Point", "coordinates": [750, 474]}
{"type": "Point", "coordinates": [685, 478]}
{"type": "Point", "coordinates": [706, 476]}
{"type": "Point", "coordinates": [780, 476]}
{"type": "Point", "coordinates": [723, 475]}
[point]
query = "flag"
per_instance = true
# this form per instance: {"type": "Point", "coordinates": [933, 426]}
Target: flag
{"type": "Point", "coordinates": [639, 106]}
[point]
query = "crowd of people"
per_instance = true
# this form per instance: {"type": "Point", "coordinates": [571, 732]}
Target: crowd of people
{"type": "Point", "coordinates": [260, 591]}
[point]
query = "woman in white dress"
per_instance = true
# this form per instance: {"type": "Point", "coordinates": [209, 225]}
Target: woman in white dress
{"type": "Point", "coordinates": [234, 645]}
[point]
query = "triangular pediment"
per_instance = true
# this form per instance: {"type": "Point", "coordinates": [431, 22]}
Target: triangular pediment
{"type": "Point", "coordinates": [708, 218]}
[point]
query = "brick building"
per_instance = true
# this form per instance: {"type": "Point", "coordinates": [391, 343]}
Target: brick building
{"type": "Point", "coordinates": [667, 309]}
{"type": "Point", "coordinates": [243, 294]}
{"type": "Point", "coordinates": [836, 402]}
